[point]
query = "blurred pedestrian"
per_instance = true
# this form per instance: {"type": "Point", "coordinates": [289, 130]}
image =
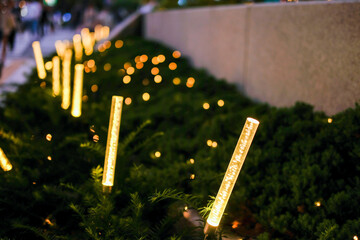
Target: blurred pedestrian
{"type": "Point", "coordinates": [8, 29]}
{"type": "Point", "coordinates": [89, 17]}
{"type": "Point", "coordinates": [34, 12]}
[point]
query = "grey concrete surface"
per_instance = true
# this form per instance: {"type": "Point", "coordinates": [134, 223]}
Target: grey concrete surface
{"type": "Point", "coordinates": [277, 53]}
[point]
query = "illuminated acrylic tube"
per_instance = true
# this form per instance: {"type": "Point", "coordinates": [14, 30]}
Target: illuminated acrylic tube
{"type": "Point", "coordinates": [66, 79]}
{"type": "Point", "coordinates": [112, 143]}
{"type": "Point", "coordinates": [60, 48]}
{"type": "Point", "coordinates": [77, 91]}
{"type": "Point", "coordinates": [39, 60]}
{"type": "Point", "coordinates": [105, 32]}
{"type": "Point", "coordinates": [98, 34]}
{"type": "Point", "coordinates": [56, 75]}
{"type": "Point", "coordinates": [78, 47]}
{"type": "Point", "coordinates": [232, 173]}
{"type": "Point", "coordinates": [4, 161]}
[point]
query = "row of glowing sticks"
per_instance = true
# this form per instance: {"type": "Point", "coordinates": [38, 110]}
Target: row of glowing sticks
{"type": "Point", "coordinates": [227, 185]}
{"type": "Point", "coordinates": [232, 171]}
{"type": "Point", "coordinates": [63, 49]}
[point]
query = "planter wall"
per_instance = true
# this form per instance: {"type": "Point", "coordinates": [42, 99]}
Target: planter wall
{"type": "Point", "coordinates": [276, 53]}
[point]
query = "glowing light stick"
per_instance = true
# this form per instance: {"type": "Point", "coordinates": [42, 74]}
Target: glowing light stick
{"type": "Point", "coordinates": [4, 162]}
{"type": "Point", "coordinates": [39, 60]}
{"type": "Point", "coordinates": [87, 41]}
{"type": "Point", "coordinates": [112, 143]}
{"type": "Point", "coordinates": [60, 48]}
{"type": "Point", "coordinates": [77, 92]}
{"type": "Point", "coordinates": [66, 79]}
{"type": "Point", "coordinates": [105, 32]}
{"type": "Point", "coordinates": [78, 47]}
{"type": "Point", "coordinates": [232, 173]}
{"type": "Point", "coordinates": [98, 33]}
{"type": "Point", "coordinates": [56, 75]}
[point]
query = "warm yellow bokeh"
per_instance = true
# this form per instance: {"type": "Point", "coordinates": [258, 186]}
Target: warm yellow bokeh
{"type": "Point", "coordinates": [146, 96]}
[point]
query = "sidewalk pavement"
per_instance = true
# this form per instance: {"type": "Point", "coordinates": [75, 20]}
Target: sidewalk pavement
{"type": "Point", "coordinates": [20, 61]}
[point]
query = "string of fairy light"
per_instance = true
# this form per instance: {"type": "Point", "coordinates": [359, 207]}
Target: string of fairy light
{"type": "Point", "coordinates": [85, 43]}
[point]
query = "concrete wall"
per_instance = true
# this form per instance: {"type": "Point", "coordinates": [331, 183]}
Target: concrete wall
{"type": "Point", "coordinates": [277, 53]}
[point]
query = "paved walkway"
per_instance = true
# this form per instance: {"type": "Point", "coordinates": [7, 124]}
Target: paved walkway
{"type": "Point", "coordinates": [20, 61]}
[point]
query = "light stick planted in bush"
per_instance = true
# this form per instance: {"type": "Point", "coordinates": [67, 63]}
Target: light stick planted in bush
{"type": "Point", "coordinates": [112, 143]}
{"type": "Point", "coordinates": [77, 92]}
{"type": "Point", "coordinates": [66, 79]}
{"type": "Point", "coordinates": [231, 175]}
{"type": "Point", "coordinates": [39, 60]}
{"type": "Point", "coordinates": [56, 75]}
{"type": "Point", "coordinates": [78, 47]}
{"type": "Point", "coordinates": [4, 161]}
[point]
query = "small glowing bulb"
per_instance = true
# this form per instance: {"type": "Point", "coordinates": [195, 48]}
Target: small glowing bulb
{"type": "Point", "coordinates": [91, 63]}
{"type": "Point", "coordinates": [121, 72]}
{"type": "Point", "coordinates": [96, 138]}
{"type": "Point", "coordinates": [356, 237]}
{"type": "Point", "coordinates": [155, 71]}
{"type": "Point", "coordinates": [144, 58]}
{"type": "Point", "coordinates": [49, 158]}
{"type": "Point", "coordinates": [157, 79]}
{"type": "Point", "coordinates": [33, 183]}
{"type": "Point", "coordinates": [155, 61]}
{"type": "Point", "coordinates": [101, 48]}
{"type": "Point", "coordinates": [192, 176]}
{"type": "Point", "coordinates": [220, 103]}
{"type": "Point", "coordinates": [130, 70]}
{"type": "Point", "coordinates": [145, 82]}
{"type": "Point", "coordinates": [157, 154]}
{"type": "Point", "coordinates": [107, 67]}
{"type": "Point", "coordinates": [161, 58]}
{"type": "Point", "coordinates": [139, 65]}
{"type": "Point", "coordinates": [92, 128]}
{"type": "Point", "coordinates": [214, 144]}
{"type": "Point", "coordinates": [176, 54]}
{"type": "Point", "coordinates": [127, 65]}
{"type": "Point", "coordinates": [146, 96]}
{"type": "Point", "coordinates": [119, 44]}
{"type": "Point", "coordinates": [235, 224]}
{"type": "Point", "coordinates": [206, 106]}
{"type": "Point", "coordinates": [186, 208]}
{"type": "Point", "coordinates": [94, 88]}
{"type": "Point", "coordinates": [190, 82]}
{"type": "Point", "coordinates": [126, 79]}
{"type": "Point", "coordinates": [192, 161]}
{"type": "Point", "coordinates": [317, 203]}
{"type": "Point", "coordinates": [209, 142]}
{"type": "Point", "coordinates": [107, 44]}
{"type": "Point", "coordinates": [43, 84]}
{"type": "Point", "coordinates": [137, 59]}
{"type": "Point", "coordinates": [176, 81]}
{"type": "Point", "coordinates": [330, 120]}
{"type": "Point", "coordinates": [48, 137]}
{"type": "Point", "coordinates": [172, 66]}
{"type": "Point", "coordinates": [128, 101]}
{"type": "Point", "coordinates": [48, 65]}
{"type": "Point", "coordinates": [85, 98]}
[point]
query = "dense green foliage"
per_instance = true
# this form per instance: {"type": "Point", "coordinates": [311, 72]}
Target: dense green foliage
{"type": "Point", "coordinates": [297, 159]}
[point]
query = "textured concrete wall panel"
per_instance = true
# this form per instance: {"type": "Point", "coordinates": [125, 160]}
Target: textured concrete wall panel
{"type": "Point", "coordinates": [277, 53]}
